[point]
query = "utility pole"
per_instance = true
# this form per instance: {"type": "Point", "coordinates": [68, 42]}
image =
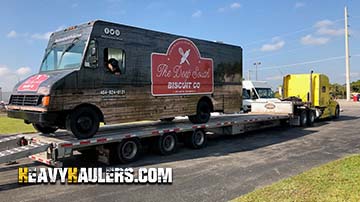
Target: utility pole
{"type": "Point", "coordinates": [256, 67]}
{"type": "Point", "coordinates": [249, 71]}
{"type": "Point", "coordinates": [347, 56]}
{"type": "Point", "coordinates": [1, 99]}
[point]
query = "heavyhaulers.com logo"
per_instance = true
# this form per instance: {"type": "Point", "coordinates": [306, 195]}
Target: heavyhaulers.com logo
{"type": "Point", "coordinates": [112, 175]}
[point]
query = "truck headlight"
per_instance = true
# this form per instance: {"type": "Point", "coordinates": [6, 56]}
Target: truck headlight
{"type": "Point", "coordinates": [43, 90]}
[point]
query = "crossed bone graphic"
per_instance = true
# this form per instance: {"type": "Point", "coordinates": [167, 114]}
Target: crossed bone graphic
{"type": "Point", "coordinates": [184, 56]}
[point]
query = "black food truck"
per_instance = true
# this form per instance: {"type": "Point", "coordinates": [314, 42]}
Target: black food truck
{"type": "Point", "coordinates": [112, 73]}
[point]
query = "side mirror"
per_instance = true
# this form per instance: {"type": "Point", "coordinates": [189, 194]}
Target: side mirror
{"type": "Point", "coordinates": [93, 60]}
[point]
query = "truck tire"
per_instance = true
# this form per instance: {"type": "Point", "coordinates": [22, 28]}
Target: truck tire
{"type": "Point", "coordinates": [83, 122]}
{"type": "Point", "coordinates": [167, 143]}
{"type": "Point", "coordinates": [303, 118]}
{"type": "Point", "coordinates": [44, 129]}
{"type": "Point", "coordinates": [337, 112]}
{"type": "Point", "coordinates": [196, 140]}
{"type": "Point", "coordinates": [311, 117]}
{"type": "Point", "coordinates": [203, 113]}
{"type": "Point", "coordinates": [128, 150]}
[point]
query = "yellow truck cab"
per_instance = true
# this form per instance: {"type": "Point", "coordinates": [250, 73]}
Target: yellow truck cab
{"type": "Point", "coordinates": [313, 88]}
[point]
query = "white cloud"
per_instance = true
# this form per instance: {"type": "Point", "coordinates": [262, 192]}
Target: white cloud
{"type": "Point", "coordinates": [12, 34]}
{"type": "Point", "coordinates": [38, 36]}
{"type": "Point", "coordinates": [197, 14]}
{"type": "Point", "coordinates": [323, 23]}
{"type": "Point", "coordinates": [9, 77]}
{"type": "Point", "coordinates": [311, 40]}
{"type": "Point", "coordinates": [326, 27]}
{"type": "Point", "coordinates": [276, 44]}
{"type": "Point", "coordinates": [23, 70]}
{"type": "Point", "coordinates": [274, 78]}
{"type": "Point", "coordinates": [235, 5]}
{"type": "Point", "coordinates": [330, 31]}
{"type": "Point", "coordinates": [232, 6]}
{"type": "Point", "coordinates": [4, 71]}
{"type": "Point", "coordinates": [43, 36]}
{"type": "Point", "coordinates": [299, 4]}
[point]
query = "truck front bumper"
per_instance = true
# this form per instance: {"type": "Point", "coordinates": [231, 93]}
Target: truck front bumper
{"type": "Point", "coordinates": [49, 118]}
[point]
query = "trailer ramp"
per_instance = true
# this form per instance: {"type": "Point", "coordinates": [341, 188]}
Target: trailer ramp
{"type": "Point", "coordinates": [16, 147]}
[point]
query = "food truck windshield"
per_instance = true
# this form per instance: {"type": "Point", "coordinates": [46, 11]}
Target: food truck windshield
{"type": "Point", "coordinates": [64, 55]}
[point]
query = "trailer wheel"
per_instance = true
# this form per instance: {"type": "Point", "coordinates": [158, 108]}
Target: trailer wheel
{"type": "Point", "coordinates": [303, 118]}
{"type": "Point", "coordinates": [203, 113]}
{"type": "Point", "coordinates": [196, 139]}
{"type": "Point", "coordinates": [44, 129]}
{"type": "Point", "coordinates": [83, 122]}
{"type": "Point", "coordinates": [337, 112]}
{"type": "Point", "coordinates": [167, 143]}
{"type": "Point", "coordinates": [311, 117]}
{"type": "Point", "coordinates": [128, 150]}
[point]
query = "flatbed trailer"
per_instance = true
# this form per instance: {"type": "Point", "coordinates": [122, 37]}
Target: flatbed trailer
{"type": "Point", "coordinates": [52, 149]}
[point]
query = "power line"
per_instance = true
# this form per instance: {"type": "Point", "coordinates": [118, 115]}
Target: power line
{"type": "Point", "coordinates": [307, 62]}
{"type": "Point", "coordinates": [299, 47]}
{"type": "Point", "coordinates": [289, 33]}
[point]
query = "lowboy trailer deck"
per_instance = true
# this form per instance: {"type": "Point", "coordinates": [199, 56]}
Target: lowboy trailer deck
{"type": "Point", "coordinates": [124, 142]}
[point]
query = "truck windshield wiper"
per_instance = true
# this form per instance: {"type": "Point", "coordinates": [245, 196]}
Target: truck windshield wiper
{"type": "Point", "coordinates": [66, 49]}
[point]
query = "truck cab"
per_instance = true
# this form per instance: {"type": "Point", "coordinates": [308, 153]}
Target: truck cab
{"type": "Point", "coordinates": [254, 91]}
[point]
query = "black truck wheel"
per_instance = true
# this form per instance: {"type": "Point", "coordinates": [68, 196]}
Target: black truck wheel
{"type": "Point", "coordinates": [203, 113]}
{"type": "Point", "coordinates": [311, 117]}
{"type": "Point", "coordinates": [303, 118]}
{"type": "Point", "coordinates": [167, 143]}
{"type": "Point", "coordinates": [44, 128]}
{"type": "Point", "coordinates": [128, 150]}
{"type": "Point", "coordinates": [83, 122]}
{"type": "Point", "coordinates": [196, 139]}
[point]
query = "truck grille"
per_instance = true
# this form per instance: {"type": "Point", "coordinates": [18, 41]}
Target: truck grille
{"type": "Point", "coordinates": [25, 100]}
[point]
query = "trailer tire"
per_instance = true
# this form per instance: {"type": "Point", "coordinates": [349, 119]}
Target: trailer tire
{"type": "Point", "coordinates": [128, 150]}
{"type": "Point", "coordinates": [83, 122]}
{"type": "Point", "coordinates": [203, 113]}
{"type": "Point", "coordinates": [196, 140]}
{"type": "Point", "coordinates": [44, 129]}
{"type": "Point", "coordinates": [167, 143]}
{"type": "Point", "coordinates": [311, 117]}
{"type": "Point", "coordinates": [303, 118]}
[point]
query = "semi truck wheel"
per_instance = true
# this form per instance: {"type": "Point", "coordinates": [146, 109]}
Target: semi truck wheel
{"type": "Point", "coordinates": [303, 118]}
{"type": "Point", "coordinates": [128, 150]}
{"type": "Point", "coordinates": [83, 122]}
{"type": "Point", "coordinates": [196, 140]}
{"type": "Point", "coordinates": [44, 129]}
{"type": "Point", "coordinates": [203, 113]}
{"type": "Point", "coordinates": [311, 117]}
{"type": "Point", "coordinates": [167, 143]}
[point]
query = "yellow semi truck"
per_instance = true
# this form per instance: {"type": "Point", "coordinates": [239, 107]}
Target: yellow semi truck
{"type": "Point", "coordinates": [305, 97]}
{"type": "Point", "coordinates": [314, 90]}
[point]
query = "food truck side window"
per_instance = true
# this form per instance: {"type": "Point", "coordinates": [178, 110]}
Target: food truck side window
{"type": "Point", "coordinates": [91, 55]}
{"type": "Point", "coordinates": [111, 54]}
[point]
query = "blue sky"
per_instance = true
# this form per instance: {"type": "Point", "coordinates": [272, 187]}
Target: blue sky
{"type": "Point", "coordinates": [285, 36]}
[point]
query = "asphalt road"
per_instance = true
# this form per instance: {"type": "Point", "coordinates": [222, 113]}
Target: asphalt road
{"type": "Point", "coordinates": [227, 168]}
